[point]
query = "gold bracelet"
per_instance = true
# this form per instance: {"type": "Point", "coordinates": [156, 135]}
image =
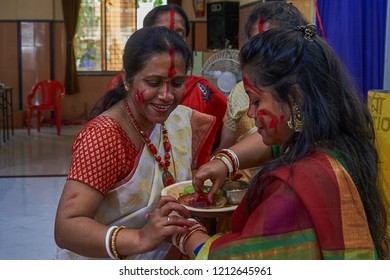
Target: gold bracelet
{"type": "Point", "coordinates": [202, 228]}
{"type": "Point", "coordinates": [113, 243]}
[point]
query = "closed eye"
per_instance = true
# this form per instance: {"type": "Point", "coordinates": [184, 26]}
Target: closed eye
{"type": "Point", "coordinates": [153, 83]}
{"type": "Point", "coordinates": [178, 83]}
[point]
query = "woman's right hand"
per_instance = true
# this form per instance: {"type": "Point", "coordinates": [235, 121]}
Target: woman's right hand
{"type": "Point", "coordinates": [216, 171]}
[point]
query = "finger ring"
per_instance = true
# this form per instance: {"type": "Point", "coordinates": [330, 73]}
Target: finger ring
{"type": "Point", "coordinates": [168, 220]}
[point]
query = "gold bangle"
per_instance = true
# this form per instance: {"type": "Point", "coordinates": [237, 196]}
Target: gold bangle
{"type": "Point", "coordinates": [202, 228]}
{"type": "Point", "coordinates": [113, 243]}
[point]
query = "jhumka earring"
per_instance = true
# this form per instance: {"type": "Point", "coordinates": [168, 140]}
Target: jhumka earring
{"type": "Point", "coordinates": [295, 122]}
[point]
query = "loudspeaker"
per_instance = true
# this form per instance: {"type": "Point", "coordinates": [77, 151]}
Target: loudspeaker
{"type": "Point", "coordinates": [222, 24]}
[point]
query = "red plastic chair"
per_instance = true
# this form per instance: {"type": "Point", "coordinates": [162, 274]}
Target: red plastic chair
{"type": "Point", "coordinates": [45, 95]}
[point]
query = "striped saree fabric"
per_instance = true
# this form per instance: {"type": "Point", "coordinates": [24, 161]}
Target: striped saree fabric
{"type": "Point", "coordinates": [310, 212]}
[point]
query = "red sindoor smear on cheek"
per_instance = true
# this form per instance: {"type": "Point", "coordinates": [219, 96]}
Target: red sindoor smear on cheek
{"type": "Point", "coordinates": [139, 97]}
{"type": "Point", "coordinates": [263, 112]}
{"type": "Point", "coordinates": [274, 119]}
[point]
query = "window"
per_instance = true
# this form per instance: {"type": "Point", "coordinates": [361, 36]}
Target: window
{"type": "Point", "coordinates": [102, 31]}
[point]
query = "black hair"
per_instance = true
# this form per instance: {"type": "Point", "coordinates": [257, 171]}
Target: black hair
{"type": "Point", "coordinates": [283, 61]}
{"type": "Point", "coordinates": [277, 13]}
{"type": "Point", "coordinates": [140, 48]}
{"type": "Point", "coordinates": [151, 18]}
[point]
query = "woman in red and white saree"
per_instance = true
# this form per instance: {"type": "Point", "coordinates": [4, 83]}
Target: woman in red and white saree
{"type": "Point", "coordinates": [140, 141]}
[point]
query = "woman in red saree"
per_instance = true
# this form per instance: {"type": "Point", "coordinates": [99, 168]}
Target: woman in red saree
{"type": "Point", "coordinates": [320, 198]}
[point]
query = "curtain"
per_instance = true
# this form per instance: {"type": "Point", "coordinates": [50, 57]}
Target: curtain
{"type": "Point", "coordinates": [356, 30]}
{"type": "Point", "coordinates": [71, 10]}
{"type": "Point", "coordinates": [386, 75]}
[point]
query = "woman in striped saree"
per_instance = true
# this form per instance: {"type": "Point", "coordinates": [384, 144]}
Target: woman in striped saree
{"type": "Point", "coordinates": [319, 199]}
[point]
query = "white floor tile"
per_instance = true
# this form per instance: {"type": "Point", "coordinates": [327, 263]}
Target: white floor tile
{"type": "Point", "coordinates": [28, 194]}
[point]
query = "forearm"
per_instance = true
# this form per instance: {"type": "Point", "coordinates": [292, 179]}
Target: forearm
{"type": "Point", "coordinates": [86, 237]}
{"type": "Point", "coordinates": [251, 151]}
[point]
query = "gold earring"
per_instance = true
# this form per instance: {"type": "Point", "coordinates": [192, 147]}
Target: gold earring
{"type": "Point", "coordinates": [126, 86]}
{"type": "Point", "coordinates": [295, 122]}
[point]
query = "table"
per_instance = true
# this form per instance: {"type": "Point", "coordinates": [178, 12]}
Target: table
{"type": "Point", "coordinates": [6, 107]}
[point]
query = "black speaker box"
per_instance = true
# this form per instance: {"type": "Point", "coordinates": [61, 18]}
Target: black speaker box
{"type": "Point", "coordinates": [222, 24]}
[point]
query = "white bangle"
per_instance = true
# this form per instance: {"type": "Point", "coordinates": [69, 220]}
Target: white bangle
{"type": "Point", "coordinates": [108, 243]}
{"type": "Point", "coordinates": [227, 162]}
{"type": "Point", "coordinates": [234, 156]}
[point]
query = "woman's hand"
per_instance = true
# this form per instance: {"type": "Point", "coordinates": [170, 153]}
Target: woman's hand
{"type": "Point", "coordinates": [214, 170]}
{"type": "Point", "coordinates": [167, 219]}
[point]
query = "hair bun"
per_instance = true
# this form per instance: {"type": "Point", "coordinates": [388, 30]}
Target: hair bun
{"type": "Point", "coordinates": [309, 31]}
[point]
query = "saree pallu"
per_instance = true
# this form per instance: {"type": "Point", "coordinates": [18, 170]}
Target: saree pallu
{"type": "Point", "coordinates": [138, 194]}
{"type": "Point", "coordinates": [311, 212]}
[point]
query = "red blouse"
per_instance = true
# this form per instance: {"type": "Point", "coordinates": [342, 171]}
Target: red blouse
{"type": "Point", "coordinates": [102, 154]}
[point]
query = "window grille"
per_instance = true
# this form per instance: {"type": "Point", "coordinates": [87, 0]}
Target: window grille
{"type": "Point", "coordinates": [103, 29]}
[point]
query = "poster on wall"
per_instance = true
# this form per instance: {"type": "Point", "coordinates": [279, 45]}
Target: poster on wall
{"type": "Point", "coordinates": [379, 105]}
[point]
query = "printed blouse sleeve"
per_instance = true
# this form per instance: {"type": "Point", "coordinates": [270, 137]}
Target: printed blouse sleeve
{"type": "Point", "coordinates": [98, 158]}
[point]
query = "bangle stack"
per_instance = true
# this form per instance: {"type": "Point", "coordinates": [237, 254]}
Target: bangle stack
{"type": "Point", "coordinates": [110, 243]}
{"type": "Point", "coordinates": [230, 160]}
{"type": "Point", "coordinates": [179, 240]}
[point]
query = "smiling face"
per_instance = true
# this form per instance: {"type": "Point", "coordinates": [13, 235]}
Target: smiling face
{"type": "Point", "coordinates": [157, 89]}
{"type": "Point", "coordinates": [270, 115]}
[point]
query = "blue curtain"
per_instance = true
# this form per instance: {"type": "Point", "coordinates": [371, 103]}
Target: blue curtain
{"type": "Point", "coordinates": [356, 29]}
{"type": "Point", "coordinates": [386, 75]}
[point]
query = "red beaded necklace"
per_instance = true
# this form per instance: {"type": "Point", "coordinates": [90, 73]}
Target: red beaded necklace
{"type": "Point", "coordinates": [167, 177]}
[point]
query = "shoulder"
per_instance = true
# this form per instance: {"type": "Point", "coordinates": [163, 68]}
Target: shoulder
{"type": "Point", "coordinates": [101, 123]}
{"type": "Point", "coordinates": [103, 130]}
{"type": "Point", "coordinates": [317, 168]}
{"type": "Point", "coordinates": [315, 162]}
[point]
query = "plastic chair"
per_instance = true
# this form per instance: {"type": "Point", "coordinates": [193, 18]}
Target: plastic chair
{"type": "Point", "coordinates": [45, 95]}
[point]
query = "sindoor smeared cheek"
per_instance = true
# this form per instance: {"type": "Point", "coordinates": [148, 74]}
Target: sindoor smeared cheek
{"type": "Point", "coordinates": [274, 120]}
{"type": "Point", "coordinates": [139, 97]}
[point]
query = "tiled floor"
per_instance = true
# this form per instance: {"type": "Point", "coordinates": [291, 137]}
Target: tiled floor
{"type": "Point", "coordinates": [32, 174]}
